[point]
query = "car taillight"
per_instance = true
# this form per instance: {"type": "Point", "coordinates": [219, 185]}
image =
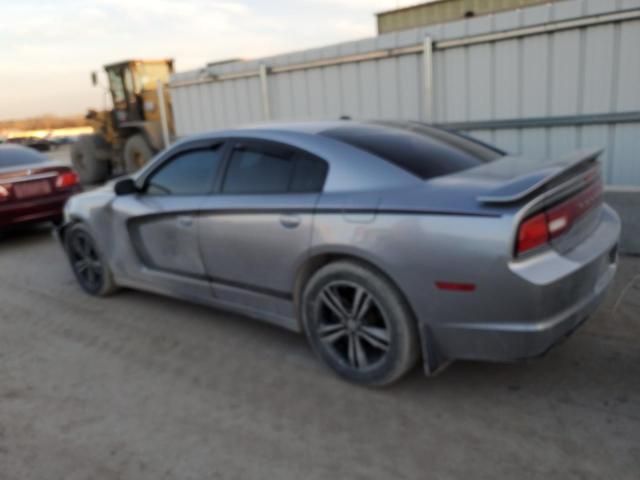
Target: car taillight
{"type": "Point", "coordinates": [533, 233]}
{"type": "Point", "coordinates": [66, 179]}
{"type": "Point", "coordinates": [562, 217]}
{"type": "Point", "coordinates": [539, 229]}
{"type": "Point", "coordinates": [4, 193]}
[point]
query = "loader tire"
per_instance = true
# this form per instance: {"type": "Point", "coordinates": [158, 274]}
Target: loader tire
{"type": "Point", "coordinates": [90, 158]}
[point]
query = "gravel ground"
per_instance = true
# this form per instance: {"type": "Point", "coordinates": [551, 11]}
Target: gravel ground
{"type": "Point", "coordinates": [137, 386]}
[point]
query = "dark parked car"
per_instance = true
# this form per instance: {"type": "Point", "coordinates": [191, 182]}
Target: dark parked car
{"type": "Point", "coordinates": [32, 187]}
{"type": "Point", "coordinates": [39, 144]}
{"type": "Point", "coordinates": [384, 243]}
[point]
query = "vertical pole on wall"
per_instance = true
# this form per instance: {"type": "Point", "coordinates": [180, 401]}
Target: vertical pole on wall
{"type": "Point", "coordinates": [265, 92]}
{"type": "Point", "coordinates": [163, 114]}
{"type": "Point", "coordinates": [427, 59]}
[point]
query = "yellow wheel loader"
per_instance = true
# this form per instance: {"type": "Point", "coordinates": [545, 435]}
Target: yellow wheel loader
{"type": "Point", "coordinates": [137, 127]}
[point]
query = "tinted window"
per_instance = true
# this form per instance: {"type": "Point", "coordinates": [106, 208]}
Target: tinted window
{"type": "Point", "coordinates": [456, 140]}
{"type": "Point", "coordinates": [257, 171]}
{"type": "Point", "coordinates": [421, 150]}
{"type": "Point", "coordinates": [273, 170]}
{"type": "Point", "coordinates": [13, 155]}
{"type": "Point", "coordinates": [190, 173]}
{"type": "Point", "coordinates": [309, 174]}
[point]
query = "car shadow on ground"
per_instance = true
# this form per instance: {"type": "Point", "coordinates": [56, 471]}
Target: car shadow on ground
{"type": "Point", "coordinates": [567, 371]}
{"type": "Point", "coordinates": [164, 370]}
{"type": "Point", "coordinates": [25, 235]}
{"type": "Point", "coordinates": [566, 374]}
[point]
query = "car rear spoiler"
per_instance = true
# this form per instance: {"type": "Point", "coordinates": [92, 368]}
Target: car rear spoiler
{"type": "Point", "coordinates": [529, 183]}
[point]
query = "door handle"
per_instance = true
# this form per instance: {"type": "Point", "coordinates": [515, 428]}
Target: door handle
{"type": "Point", "coordinates": [289, 220]}
{"type": "Point", "coordinates": [185, 221]}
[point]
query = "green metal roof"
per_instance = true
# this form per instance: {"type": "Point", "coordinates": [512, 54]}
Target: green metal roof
{"type": "Point", "coordinates": [441, 11]}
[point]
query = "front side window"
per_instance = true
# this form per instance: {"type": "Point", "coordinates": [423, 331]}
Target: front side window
{"type": "Point", "coordinates": [190, 173]}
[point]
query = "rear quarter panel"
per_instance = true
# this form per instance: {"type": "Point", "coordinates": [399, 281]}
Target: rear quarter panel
{"type": "Point", "coordinates": [416, 250]}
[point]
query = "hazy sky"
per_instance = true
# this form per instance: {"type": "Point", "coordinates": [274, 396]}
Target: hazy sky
{"type": "Point", "coordinates": [48, 49]}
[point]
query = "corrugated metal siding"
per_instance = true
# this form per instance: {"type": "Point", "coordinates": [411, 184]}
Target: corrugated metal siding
{"type": "Point", "coordinates": [587, 71]}
{"type": "Point", "coordinates": [444, 11]}
{"type": "Point", "coordinates": [582, 71]}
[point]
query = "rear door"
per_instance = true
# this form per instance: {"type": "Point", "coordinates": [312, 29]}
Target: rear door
{"type": "Point", "coordinates": [257, 229]}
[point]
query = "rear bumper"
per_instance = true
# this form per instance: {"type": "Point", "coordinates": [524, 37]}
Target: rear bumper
{"type": "Point", "coordinates": [545, 301]}
{"type": "Point", "coordinates": [37, 210]}
{"type": "Point", "coordinates": [507, 342]}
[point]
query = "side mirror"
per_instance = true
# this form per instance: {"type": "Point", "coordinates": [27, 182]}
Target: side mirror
{"type": "Point", "coordinates": [126, 186]}
{"type": "Point", "coordinates": [94, 78]}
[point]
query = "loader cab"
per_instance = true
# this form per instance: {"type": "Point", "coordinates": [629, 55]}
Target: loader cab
{"type": "Point", "coordinates": [132, 84]}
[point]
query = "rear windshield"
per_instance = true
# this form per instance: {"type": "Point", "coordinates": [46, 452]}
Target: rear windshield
{"type": "Point", "coordinates": [14, 155]}
{"type": "Point", "coordinates": [422, 150]}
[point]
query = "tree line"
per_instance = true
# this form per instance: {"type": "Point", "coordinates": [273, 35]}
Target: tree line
{"type": "Point", "coordinates": [44, 122]}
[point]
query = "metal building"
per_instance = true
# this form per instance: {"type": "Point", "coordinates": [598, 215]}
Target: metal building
{"type": "Point", "coordinates": [441, 11]}
{"type": "Point", "coordinates": [541, 81]}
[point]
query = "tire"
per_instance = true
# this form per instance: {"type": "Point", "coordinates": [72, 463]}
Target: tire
{"type": "Point", "coordinates": [374, 347]}
{"type": "Point", "coordinates": [90, 158]}
{"type": "Point", "coordinates": [95, 278]}
{"type": "Point", "coordinates": [137, 153]}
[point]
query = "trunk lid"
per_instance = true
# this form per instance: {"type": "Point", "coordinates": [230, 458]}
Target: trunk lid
{"type": "Point", "coordinates": [492, 188]}
{"type": "Point", "coordinates": [568, 193]}
{"type": "Point", "coordinates": [516, 179]}
{"type": "Point", "coordinates": [517, 187]}
{"type": "Point", "coordinates": [22, 182]}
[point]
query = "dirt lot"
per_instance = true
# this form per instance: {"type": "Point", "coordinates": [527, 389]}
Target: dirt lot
{"type": "Point", "coordinates": [142, 387]}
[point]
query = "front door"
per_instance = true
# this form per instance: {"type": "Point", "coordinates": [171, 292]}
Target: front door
{"type": "Point", "coordinates": [162, 219]}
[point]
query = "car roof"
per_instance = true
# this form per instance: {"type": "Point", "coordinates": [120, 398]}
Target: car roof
{"type": "Point", "coordinates": [321, 126]}
{"type": "Point", "coordinates": [365, 154]}
{"type": "Point", "coordinates": [305, 128]}
{"type": "Point", "coordinates": [362, 171]}
{"type": "Point", "coordinates": [311, 127]}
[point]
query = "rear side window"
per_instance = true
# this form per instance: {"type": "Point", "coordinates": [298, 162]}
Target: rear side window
{"type": "Point", "coordinates": [415, 149]}
{"type": "Point", "coordinates": [189, 173]}
{"type": "Point", "coordinates": [309, 174]}
{"type": "Point", "coordinates": [256, 170]}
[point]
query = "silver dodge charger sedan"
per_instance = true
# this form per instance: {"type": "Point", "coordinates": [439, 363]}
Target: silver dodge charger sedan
{"type": "Point", "coordinates": [384, 242]}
